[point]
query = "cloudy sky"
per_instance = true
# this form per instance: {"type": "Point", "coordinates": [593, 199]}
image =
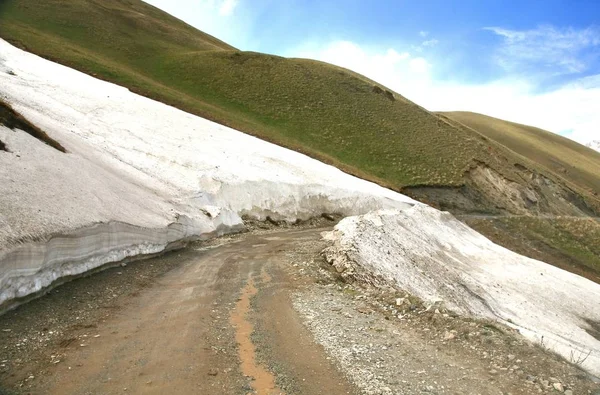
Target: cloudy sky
{"type": "Point", "coordinates": [534, 62]}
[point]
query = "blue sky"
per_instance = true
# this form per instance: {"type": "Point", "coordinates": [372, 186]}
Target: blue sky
{"type": "Point", "coordinates": [534, 62]}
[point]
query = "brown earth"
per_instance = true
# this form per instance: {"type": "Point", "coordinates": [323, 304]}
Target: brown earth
{"type": "Point", "coordinates": [486, 191]}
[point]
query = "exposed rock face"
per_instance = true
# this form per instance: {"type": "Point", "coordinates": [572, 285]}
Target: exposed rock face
{"type": "Point", "coordinates": [487, 191]}
{"type": "Point", "coordinates": [437, 258]}
{"type": "Point", "coordinates": [539, 195]}
{"type": "Point", "coordinates": [96, 173]}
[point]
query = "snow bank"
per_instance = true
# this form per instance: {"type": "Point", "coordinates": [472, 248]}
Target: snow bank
{"type": "Point", "coordinates": [137, 176]}
{"type": "Point", "coordinates": [437, 258]}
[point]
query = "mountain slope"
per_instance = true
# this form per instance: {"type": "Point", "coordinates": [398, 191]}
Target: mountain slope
{"type": "Point", "coordinates": [564, 241]}
{"type": "Point", "coordinates": [570, 160]}
{"type": "Point", "coordinates": [309, 106]}
{"type": "Point", "coordinates": [325, 111]}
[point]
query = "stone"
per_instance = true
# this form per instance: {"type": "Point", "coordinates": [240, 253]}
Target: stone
{"type": "Point", "coordinates": [559, 387]}
{"type": "Point", "coordinates": [213, 372]}
{"type": "Point", "coordinates": [449, 336]}
{"type": "Point", "coordinates": [364, 310]}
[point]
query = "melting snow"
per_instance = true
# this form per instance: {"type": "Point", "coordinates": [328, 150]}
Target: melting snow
{"type": "Point", "coordinates": [437, 258]}
{"type": "Point", "coordinates": [138, 176]}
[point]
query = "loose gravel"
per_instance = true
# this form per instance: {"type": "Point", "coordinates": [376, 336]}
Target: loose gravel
{"type": "Point", "coordinates": [389, 343]}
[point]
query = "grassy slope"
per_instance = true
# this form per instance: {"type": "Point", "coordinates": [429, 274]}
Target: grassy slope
{"type": "Point", "coordinates": [323, 110]}
{"type": "Point", "coordinates": [316, 108]}
{"type": "Point", "coordinates": [569, 243]}
{"type": "Point", "coordinates": [572, 161]}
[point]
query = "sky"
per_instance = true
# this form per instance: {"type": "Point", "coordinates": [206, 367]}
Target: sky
{"type": "Point", "coordinates": [535, 62]}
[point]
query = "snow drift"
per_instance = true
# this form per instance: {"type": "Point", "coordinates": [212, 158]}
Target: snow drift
{"type": "Point", "coordinates": [437, 258]}
{"type": "Point", "coordinates": [137, 176]}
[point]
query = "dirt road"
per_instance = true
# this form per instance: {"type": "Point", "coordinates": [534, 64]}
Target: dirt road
{"type": "Point", "coordinates": [192, 331]}
{"type": "Point", "coordinates": [258, 313]}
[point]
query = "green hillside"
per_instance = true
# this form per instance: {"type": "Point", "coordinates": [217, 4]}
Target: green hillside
{"type": "Point", "coordinates": [322, 110]}
{"type": "Point", "coordinates": [568, 243]}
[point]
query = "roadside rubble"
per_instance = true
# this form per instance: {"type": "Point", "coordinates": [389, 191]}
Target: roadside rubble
{"type": "Point", "coordinates": [388, 342]}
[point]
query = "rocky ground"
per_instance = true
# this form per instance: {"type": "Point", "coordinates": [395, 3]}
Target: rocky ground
{"type": "Point", "coordinates": [389, 347]}
{"type": "Point", "coordinates": [177, 323]}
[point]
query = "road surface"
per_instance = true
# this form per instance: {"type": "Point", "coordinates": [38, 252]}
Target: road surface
{"type": "Point", "coordinates": [193, 331]}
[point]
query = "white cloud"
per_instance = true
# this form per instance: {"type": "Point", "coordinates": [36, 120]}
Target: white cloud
{"type": "Point", "coordinates": [570, 110]}
{"type": "Point", "coordinates": [546, 48]}
{"type": "Point", "coordinates": [392, 68]}
{"type": "Point", "coordinates": [227, 6]}
{"type": "Point", "coordinates": [419, 66]}
{"type": "Point", "coordinates": [430, 43]}
{"type": "Point", "coordinates": [423, 33]}
{"type": "Point", "coordinates": [572, 107]}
